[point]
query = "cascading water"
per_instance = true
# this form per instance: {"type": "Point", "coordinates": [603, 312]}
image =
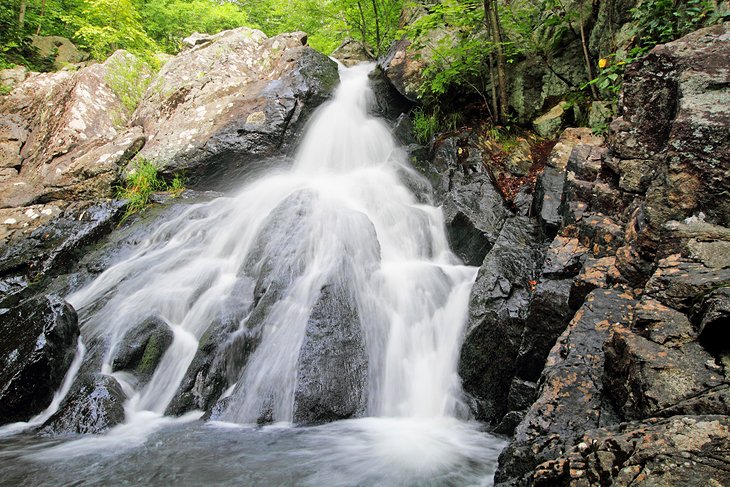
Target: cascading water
{"type": "Point", "coordinates": [338, 230]}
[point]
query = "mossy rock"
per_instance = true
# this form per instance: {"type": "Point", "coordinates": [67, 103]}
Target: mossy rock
{"type": "Point", "coordinates": [142, 348]}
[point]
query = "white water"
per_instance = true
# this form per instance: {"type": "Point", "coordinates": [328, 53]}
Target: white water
{"type": "Point", "coordinates": [340, 215]}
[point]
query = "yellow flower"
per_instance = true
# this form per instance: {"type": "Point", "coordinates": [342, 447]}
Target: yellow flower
{"type": "Point", "coordinates": [602, 63]}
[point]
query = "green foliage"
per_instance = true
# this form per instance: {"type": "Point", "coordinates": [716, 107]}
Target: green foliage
{"type": "Point", "coordinates": [142, 181]}
{"type": "Point", "coordinates": [168, 22]}
{"type": "Point", "coordinates": [660, 21]}
{"type": "Point", "coordinates": [5, 90]}
{"type": "Point", "coordinates": [129, 76]}
{"type": "Point", "coordinates": [451, 34]}
{"type": "Point", "coordinates": [425, 125]}
{"type": "Point", "coordinates": [103, 26]}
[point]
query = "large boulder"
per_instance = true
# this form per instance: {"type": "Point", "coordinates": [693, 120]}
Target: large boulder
{"type": "Point", "coordinates": [497, 310]}
{"type": "Point", "coordinates": [232, 100]}
{"type": "Point", "coordinates": [63, 136]}
{"type": "Point", "coordinates": [61, 50]}
{"type": "Point", "coordinates": [332, 369]}
{"type": "Point", "coordinates": [39, 343]}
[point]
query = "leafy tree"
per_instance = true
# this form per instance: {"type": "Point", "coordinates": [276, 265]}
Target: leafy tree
{"type": "Point", "coordinates": [168, 22]}
{"type": "Point", "coordinates": [103, 26]}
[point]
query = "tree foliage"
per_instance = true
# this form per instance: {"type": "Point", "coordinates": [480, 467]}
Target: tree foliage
{"type": "Point", "coordinates": [148, 26]}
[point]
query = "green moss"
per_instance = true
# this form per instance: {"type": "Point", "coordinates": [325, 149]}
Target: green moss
{"type": "Point", "coordinates": [151, 356]}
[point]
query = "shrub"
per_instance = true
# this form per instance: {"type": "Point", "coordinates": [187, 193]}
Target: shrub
{"type": "Point", "coordinates": [141, 182]}
{"type": "Point", "coordinates": [424, 125]}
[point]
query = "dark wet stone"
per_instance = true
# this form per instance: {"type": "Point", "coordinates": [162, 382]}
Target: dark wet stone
{"type": "Point", "coordinates": [570, 398]}
{"type": "Point", "coordinates": [332, 370]}
{"type": "Point", "coordinates": [94, 406]}
{"type": "Point", "coordinates": [38, 345]}
{"type": "Point", "coordinates": [498, 307]}
{"type": "Point", "coordinates": [142, 347]}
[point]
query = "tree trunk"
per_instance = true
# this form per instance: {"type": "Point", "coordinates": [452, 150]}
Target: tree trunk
{"type": "Point", "coordinates": [378, 41]}
{"type": "Point", "coordinates": [586, 55]}
{"type": "Point", "coordinates": [490, 10]}
{"type": "Point", "coordinates": [40, 19]}
{"type": "Point", "coordinates": [21, 15]}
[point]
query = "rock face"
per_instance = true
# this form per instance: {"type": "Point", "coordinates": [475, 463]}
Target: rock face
{"type": "Point", "coordinates": [94, 406]}
{"type": "Point", "coordinates": [63, 136]}
{"type": "Point", "coordinates": [232, 99]}
{"type": "Point", "coordinates": [352, 52]}
{"type": "Point", "coordinates": [39, 342]}
{"type": "Point", "coordinates": [332, 370]}
{"type": "Point", "coordinates": [474, 211]}
{"type": "Point", "coordinates": [142, 348]}
{"type": "Point", "coordinates": [637, 380]}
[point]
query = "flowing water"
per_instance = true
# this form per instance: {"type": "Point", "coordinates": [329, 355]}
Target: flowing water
{"type": "Point", "coordinates": [341, 217]}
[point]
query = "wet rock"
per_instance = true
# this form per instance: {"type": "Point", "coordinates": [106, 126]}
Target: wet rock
{"type": "Point", "coordinates": [40, 240]}
{"type": "Point", "coordinates": [548, 198]}
{"type": "Point", "coordinates": [474, 210]}
{"type": "Point", "coordinates": [596, 273]}
{"type": "Point", "coordinates": [210, 115]}
{"type": "Point", "coordinates": [564, 258]}
{"type": "Point", "coordinates": [351, 52]}
{"type": "Point", "coordinates": [679, 451]}
{"type": "Point", "coordinates": [332, 369]}
{"type": "Point", "coordinates": [570, 400]}
{"type": "Point", "coordinates": [208, 376]}
{"type": "Point", "coordinates": [94, 406]}
{"type": "Point", "coordinates": [548, 316]}
{"type": "Point", "coordinates": [142, 347]}
{"type": "Point", "coordinates": [677, 283]}
{"type": "Point", "coordinates": [39, 343]}
{"type": "Point", "coordinates": [643, 377]}
{"type": "Point", "coordinates": [390, 102]}
{"type": "Point", "coordinates": [601, 234]}
{"type": "Point", "coordinates": [497, 311]}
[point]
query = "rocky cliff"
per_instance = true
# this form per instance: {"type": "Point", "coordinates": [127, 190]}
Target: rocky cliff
{"type": "Point", "coordinates": [598, 335]}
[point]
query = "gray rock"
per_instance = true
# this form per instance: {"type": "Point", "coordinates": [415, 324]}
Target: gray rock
{"type": "Point", "coordinates": [351, 52]}
{"type": "Point", "coordinates": [548, 198]}
{"type": "Point", "coordinates": [217, 116]}
{"type": "Point", "coordinates": [142, 347]}
{"type": "Point", "coordinates": [654, 452]}
{"type": "Point", "coordinates": [570, 400]}
{"type": "Point", "coordinates": [497, 310]}
{"type": "Point", "coordinates": [62, 50]}
{"type": "Point", "coordinates": [332, 369]}
{"type": "Point", "coordinates": [39, 344]}
{"type": "Point", "coordinates": [94, 406]}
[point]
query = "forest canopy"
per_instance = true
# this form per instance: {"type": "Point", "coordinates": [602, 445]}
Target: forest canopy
{"type": "Point", "coordinates": [149, 26]}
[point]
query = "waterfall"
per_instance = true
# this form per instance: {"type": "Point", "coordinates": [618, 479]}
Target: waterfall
{"type": "Point", "coordinates": [341, 216]}
{"type": "Point", "coordinates": [340, 285]}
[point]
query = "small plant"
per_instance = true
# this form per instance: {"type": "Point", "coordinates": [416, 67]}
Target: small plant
{"type": "Point", "coordinates": [424, 125]}
{"type": "Point", "coordinates": [5, 90]}
{"type": "Point", "coordinates": [129, 76]}
{"type": "Point", "coordinates": [141, 182]}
